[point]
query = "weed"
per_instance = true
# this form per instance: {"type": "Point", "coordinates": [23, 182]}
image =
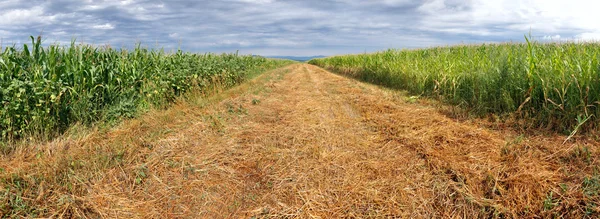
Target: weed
{"type": "Point", "coordinates": [550, 202]}
{"type": "Point", "coordinates": [591, 189]}
{"type": "Point", "coordinates": [141, 173]}
{"type": "Point", "coordinates": [216, 123]}
{"type": "Point", "coordinates": [508, 147]}
{"type": "Point", "coordinates": [564, 187]}
{"type": "Point", "coordinates": [413, 99]}
{"type": "Point", "coordinates": [581, 153]}
{"type": "Point", "coordinates": [239, 109]}
{"type": "Point", "coordinates": [591, 186]}
{"type": "Point", "coordinates": [118, 157]}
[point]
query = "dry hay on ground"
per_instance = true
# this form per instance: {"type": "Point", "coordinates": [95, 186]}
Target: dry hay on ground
{"type": "Point", "coordinates": [302, 142]}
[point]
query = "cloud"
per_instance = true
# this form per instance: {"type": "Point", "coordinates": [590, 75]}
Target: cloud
{"type": "Point", "coordinates": [106, 26]}
{"type": "Point", "coordinates": [233, 43]}
{"type": "Point", "coordinates": [23, 16]}
{"type": "Point", "coordinates": [257, 1]}
{"type": "Point", "coordinates": [551, 38]}
{"type": "Point", "coordinates": [297, 27]}
{"type": "Point", "coordinates": [593, 36]}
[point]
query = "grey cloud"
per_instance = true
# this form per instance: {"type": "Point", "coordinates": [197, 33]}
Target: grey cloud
{"type": "Point", "coordinates": [275, 27]}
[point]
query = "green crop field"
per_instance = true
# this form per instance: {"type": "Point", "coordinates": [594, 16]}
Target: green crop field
{"type": "Point", "coordinates": [554, 86]}
{"type": "Point", "coordinates": [44, 90]}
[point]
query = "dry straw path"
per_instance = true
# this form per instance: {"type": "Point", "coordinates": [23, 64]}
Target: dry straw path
{"type": "Point", "coordinates": [303, 142]}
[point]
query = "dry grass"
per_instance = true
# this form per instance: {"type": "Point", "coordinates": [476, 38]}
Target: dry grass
{"type": "Point", "coordinates": [302, 142]}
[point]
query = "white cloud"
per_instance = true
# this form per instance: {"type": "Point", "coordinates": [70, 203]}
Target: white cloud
{"type": "Point", "coordinates": [591, 36]}
{"type": "Point", "coordinates": [25, 16]}
{"type": "Point", "coordinates": [106, 26]}
{"type": "Point", "coordinates": [540, 16]}
{"type": "Point", "coordinates": [551, 38]}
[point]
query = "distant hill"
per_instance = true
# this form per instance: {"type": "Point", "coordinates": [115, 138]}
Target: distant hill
{"type": "Point", "coordinates": [297, 58]}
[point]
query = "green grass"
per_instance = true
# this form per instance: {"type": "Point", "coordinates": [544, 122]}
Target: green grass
{"type": "Point", "coordinates": [45, 90]}
{"type": "Point", "coordinates": [554, 86]}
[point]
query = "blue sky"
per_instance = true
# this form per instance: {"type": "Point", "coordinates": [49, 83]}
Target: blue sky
{"type": "Point", "coordinates": [296, 27]}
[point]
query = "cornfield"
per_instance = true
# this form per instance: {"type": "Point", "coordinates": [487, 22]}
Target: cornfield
{"type": "Point", "coordinates": [554, 86]}
{"type": "Point", "coordinates": [44, 90]}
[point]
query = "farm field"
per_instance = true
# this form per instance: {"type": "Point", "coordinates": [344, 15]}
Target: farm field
{"type": "Point", "coordinates": [47, 90]}
{"type": "Point", "coordinates": [552, 86]}
{"type": "Point", "coordinates": [300, 141]}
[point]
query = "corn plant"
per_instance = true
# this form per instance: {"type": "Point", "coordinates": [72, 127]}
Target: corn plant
{"type": "Point", "coordinates": [548, 85]}
{"type": "Point", "coordinates": [44, 90]}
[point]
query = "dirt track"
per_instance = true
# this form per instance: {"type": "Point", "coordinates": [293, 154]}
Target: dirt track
{"type": "Point", "coordinates": [304, 142]}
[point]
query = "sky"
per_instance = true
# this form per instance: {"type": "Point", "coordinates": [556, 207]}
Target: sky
{"type": "Point", "coordinates": [295, 27]}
